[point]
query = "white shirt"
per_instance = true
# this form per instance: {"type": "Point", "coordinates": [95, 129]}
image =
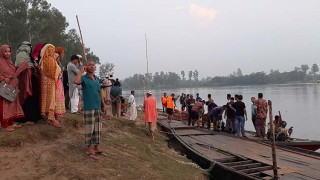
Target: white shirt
{"type": "Point", "coordinates": [131, 100]}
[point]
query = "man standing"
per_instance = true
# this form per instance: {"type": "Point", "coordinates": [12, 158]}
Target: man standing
{"type": "Point", "coordinates": [73, 71]}
{"type": "Point", "coordinates": [197, 111]}
{"type": "Point", "coordinates": [190, 103]}
{"type": "Point", "coordinates": [253, 113]}
{"type": "Point", "coordinates": [241, 115]}
{"type": "Point", "coordinates": [107, 84]}
{"type": "Point", "coordinates": [261, 116]}
{"type": "Point", "coordinates": [92, 103]}
{"type": "Point", "coordinates": [231, 117]}
{"type": "Point", "coordinates": [170, 106]}
{"type": "Point", "coordinates": [115, 96]}
{"type": "Point", "coordinates": [132, 104]}
{"type": "Point", "coordinates": [151, 114]}
{"type": "Point", "coordinates": [164, 102]}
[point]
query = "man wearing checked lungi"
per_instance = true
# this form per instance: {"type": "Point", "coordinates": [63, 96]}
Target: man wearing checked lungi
{"type": "Point", "coordinates": [92, 104]}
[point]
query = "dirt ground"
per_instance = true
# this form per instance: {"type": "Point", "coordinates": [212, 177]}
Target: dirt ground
{"type": "Point", "coordinates": [41, 151]}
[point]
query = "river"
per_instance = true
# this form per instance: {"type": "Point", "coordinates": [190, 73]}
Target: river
{"type": "Point", "coordinates": [298, 103]}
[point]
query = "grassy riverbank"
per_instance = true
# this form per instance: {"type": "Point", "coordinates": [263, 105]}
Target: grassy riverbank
{"type": "Point", "coordinates": [41, 151]}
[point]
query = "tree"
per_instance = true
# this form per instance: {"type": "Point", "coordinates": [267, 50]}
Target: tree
{"type": "Point", "coordinates": [239, 73]}
{"type": "Point", "coordinates": [183, 75]}
{"type": "Point", "coordinates": [105, 70]}
{"type": "Point", "coordinates": [190, 75]}
{"type": "Point", "coordinates": [314, 69]}
{"type": "Point", "coordinates": [304, 68]}
{"type": "Point", "coordinates": [196, 75]}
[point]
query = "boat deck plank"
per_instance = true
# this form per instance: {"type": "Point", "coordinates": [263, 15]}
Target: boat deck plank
{"type": "Point", "coordinates": [292, 165]}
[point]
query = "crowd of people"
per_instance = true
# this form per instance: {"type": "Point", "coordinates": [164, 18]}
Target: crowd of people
{"type": "Point", "coordinates": [234, 112]}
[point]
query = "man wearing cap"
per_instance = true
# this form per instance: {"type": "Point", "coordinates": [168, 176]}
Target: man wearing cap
{"type": "Point", "coordinates": [151, 114]}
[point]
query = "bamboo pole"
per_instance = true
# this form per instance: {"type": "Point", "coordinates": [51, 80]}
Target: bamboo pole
{"type": "Point", "coordinates": [273, 146]}
{"type": "Point", "coordinates": [83, 48]}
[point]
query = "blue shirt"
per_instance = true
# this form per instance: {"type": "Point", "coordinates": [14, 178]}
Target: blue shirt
{"type": "Point", "coordinates": [91, 92]}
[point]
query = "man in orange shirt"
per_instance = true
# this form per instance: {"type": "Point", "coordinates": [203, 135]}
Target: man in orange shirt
{"type": "Point", "coordinates": [151, 114]}
{"type": "Point", "coordinates": [170, 106]}
{"type": "Point", "coordinates": [164, 102]}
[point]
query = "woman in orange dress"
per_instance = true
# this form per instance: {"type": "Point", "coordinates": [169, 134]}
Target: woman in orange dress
{"type": "Point", "coordinates": [50, 71]}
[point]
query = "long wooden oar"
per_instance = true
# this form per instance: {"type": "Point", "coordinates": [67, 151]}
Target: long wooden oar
{"type": "Point", "coordinates": [83, 48]}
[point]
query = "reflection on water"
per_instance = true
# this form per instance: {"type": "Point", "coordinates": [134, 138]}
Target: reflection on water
{"type": "Point", "coordinates": [298, 103]}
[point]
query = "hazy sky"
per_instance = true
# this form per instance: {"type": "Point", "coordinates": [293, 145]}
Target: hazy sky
{"type": "Point", "coordinates": [213, 36]}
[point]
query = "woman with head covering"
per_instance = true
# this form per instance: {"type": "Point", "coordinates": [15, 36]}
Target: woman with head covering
{"type": "Point", "coordinates": [50, 71]}
{"type": "Point", "coordinates": [60, 101]}
{"type": "Point", "coordinates": [9, 111]}
{"type": "Point", "coordinates": [28, 86]}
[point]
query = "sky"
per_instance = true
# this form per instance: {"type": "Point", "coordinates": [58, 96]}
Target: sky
{"type": "Point", "coordinates": [216, 37]}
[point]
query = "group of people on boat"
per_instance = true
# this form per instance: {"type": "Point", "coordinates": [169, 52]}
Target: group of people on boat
{"type": "Point", "coordinates": [234, 112]}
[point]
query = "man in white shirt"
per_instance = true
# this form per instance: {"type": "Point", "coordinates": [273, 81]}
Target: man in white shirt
{"type": "Point", "coordinates": [73, 88]}
{"type": "Point", "coordinates": [132, 104]}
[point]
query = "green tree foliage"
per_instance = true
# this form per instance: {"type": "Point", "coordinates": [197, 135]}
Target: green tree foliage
{"type": "Point", "coordinates": [105, 70]}
{"type": "Point", "coordinates": [314, 69]}
{"type": "Point", "coordinates": [173, 80]}
{"type": "Point", "coordinates": [36, 21]}
{"type": "Point", "coordinates": [190, 75]}
{"type": "Point", "coordinates": [196, 75]}
{"type": "Point", "coordinates": [183, 74]}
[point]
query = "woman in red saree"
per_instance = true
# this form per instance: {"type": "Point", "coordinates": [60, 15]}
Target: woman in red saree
{"type": "Point", "coordinates": [9, 111]}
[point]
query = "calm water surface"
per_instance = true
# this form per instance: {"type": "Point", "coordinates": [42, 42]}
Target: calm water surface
{"type": "Point", "coordinates": [299, 103]}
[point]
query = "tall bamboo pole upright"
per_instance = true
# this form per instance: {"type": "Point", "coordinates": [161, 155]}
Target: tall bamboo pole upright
{"type": "Point", "coordinates": [83, 48]}
{"type": "Point", "coordinates": [273, 146]}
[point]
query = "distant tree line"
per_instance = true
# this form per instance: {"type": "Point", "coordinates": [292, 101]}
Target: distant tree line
{"type": "Point", "coordinates": [172, 80]}
{"type": "Point", "coordinates": [36, 21]}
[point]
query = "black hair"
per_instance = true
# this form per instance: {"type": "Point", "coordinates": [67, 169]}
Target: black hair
{"type": "Point", "coordinates": [260, 95]}
{"type": "Point", "coordinates": [132, 91]}
{"type": "Point", "coordinates": [209, 95]}
{"type": "Point", "coordinates": [228, 95]}
{"type": "Point", "coordinates": [232, 98]}
{"type": "Point", "coordinates": [172, 94]}
{"type": "Point", "coordinates": [276, 117]}
{"type": "Point", "coordinates": [73, 57]}
{"type": "Point", "coordinates": [116, 84]}
{"type": "Point", "coordinates": [240, 97]}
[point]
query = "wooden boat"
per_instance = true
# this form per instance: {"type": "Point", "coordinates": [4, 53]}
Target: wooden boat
{"type": "Point", "coordinates": [305, 144]}
{"type": "Point", "coordinates": [228, 157]}
{"type": "Point", "coordinates": [180, 115]}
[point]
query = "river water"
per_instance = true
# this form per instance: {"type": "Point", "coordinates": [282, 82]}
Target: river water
{"type": "Point", "coordinates": [298, 103]}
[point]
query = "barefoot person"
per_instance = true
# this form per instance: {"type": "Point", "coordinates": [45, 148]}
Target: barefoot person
{"type": "Point", "coordinates": [92, 102]}
{"type": "Point", "coordinates": [9, 111]}
{"type": "Point", "coordinates": [151, 114]}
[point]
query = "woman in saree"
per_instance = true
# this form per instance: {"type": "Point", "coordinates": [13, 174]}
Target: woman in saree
{"type": "Point", "coordinates": [28, 85]}
{"type": "Point", "coordinates": [50, 71]}
{"type": "Point", "coordinates": [60, 99]}
{"type": "Point", "coordinates": [9, 111]}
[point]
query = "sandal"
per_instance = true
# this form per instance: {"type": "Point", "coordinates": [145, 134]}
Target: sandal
{"type": "Point", "coordinates": [54, 123]}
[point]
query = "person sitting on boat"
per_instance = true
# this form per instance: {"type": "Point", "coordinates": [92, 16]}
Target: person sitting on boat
{"type": "Point", "coordinates": [197, 111]}
{"type": "Point", "coordinates": [216, 115]}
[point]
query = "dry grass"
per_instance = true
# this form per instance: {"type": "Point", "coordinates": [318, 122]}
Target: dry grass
{"type": "Point", "coordinates": [51, 153]}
